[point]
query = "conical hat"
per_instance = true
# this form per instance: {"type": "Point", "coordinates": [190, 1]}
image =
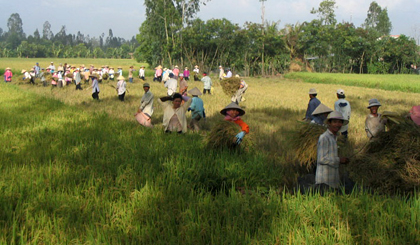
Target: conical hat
{"type": "Point", "coordinates": [23, 71]}
{"type": "Point", "coordinates": [336, 115]}
{"type": "Point", "coordinates": [8, 68]}
{"type": "Point", "coordinates": [321, 109]}
{"type": "Point", "coordinates": [121, 78]}
{"type": "Point", "coordinates": [233, 105]}
{"type": "Point", "coordinates": [195, 91]}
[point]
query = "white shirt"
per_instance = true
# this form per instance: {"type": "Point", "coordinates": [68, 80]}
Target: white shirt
{"type": "Point", "coordinates": [121, 87]}
{"type": "Point", "coordinates": [171, 84]}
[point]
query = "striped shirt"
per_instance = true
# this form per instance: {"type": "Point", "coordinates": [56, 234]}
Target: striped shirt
{"type": "Point", "coordinates": [327, 160]}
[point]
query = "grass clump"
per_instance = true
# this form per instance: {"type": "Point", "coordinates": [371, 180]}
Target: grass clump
{"type": "Point", "coordinates": [230, 85]}
{"type": "Point", "coordinates": [391, 162]}
{"type": "Point", "coordinates": [222, 135]}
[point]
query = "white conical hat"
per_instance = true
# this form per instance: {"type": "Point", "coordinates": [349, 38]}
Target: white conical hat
{"type": "Point", "coordinates": [321, 109]}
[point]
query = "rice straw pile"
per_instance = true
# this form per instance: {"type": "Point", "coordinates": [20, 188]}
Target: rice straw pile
{"type": "Point", "coordinates": [230, 85]}
{"type": "Point", "coordinates": [105, 76]}
{"type": "Point", "coordinates": [305, 141]}
{"type": "Point", "coordinates": [222, 135]}
{"type": "Point", "coordinates": [391, 162]}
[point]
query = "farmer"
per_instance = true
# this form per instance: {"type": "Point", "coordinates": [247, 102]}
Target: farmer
{"type": "Point", "coordinates": [77, 79]}
{"type": "Point", "coordinates": [165, 75]}
{"type": "Point", "coordinates": [37, 69]}
{"type": "Point", "coordinates": [415, 114]}
{"type": "Point", "coordinates": [158, 74]}
{"type": "Point", "coordinates": [175, 71]}
{"type": "Point", "coordinates": [95, 86]}
{"type": "Point", "coordinates": [237, 97]}
{"type": "Point", "coordinates": [25, 75]}
{"type": "Point", "coordinates": [328, 162]}
{"type": "Point", "coordinates": [42, 76]}
{"type": "Point", "coordinates": [174, 118]}
{"type": "Point", "coordinates": [171, 84]}
{"type": "Point", "coordinates": [229, 73]}
{"type": "Point", "coordinates": [343, 106]}
{"type": "Point", "coordinates": [141, 73]}
{"type": "Point", "coordinates": [221, 73]}
{"type": "Point", "coordinates": [183, 85]}
{"type": "Point", "coordinates": [196, 72]}
{"type": "Point", "coordinates": [52, 67]}
{"type": "Point", "coordinates": [320, 114]}
{"type": "Point", "coordinates": [145, 111]}
{"type": "Point", "coordinates": [32, 74]}
{"type": "Point", "coordinates": [186, 74]}
{"type": "Point", "coordinates": [121, 87]}
{"type": "Point", "coordinates": [196, 108]}
{"type": "Point", "coordinates": [111, 73]}
{"type": "Point", "coordinates": [374, 123]}
{"type": "Point", "coordinates": [130, 74]}
{"type": "Point", "coordinates": [312, 105]}
{"type": "Point", "coordinates": [207, 83]}
{"type": "Point", "coordinates": [233, 113]}
{"type": "Point", "coordinates": [120, 71]}
{"type": "Point", "coordinates": [8, 74]}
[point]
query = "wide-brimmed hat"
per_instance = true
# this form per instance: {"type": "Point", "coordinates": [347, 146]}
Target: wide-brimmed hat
{"type": "Point", "coordinates": [195, 91]}
{"type": "Point", "coordinates": [196, 66]}
{"type": "Point", "coordinates": [119, 67]}
{"type": "Point", "coordinates": [23, 71]}
{"type": "Point", "coordinates": [120, 77]}
{"type": "Point", "coordinates": [235, 106]}
{"type": "Point", "coordinates": [373, 102]}
{"type": "Point", "coordinates": [186, 67]}
{"type": "Point", "coordinates": [94, 75]}
{"type": "Point", "coordinates": [336, 115]}
{"type": "Point", "coordinates": [8, 68]}
{"type": "Point", "coordinates": [176, 66]}
{"type": "Point", "coordinates": [340, 92]}
{"type": "Point", "coordinates": [146, 85]}
{"type": "Point", "coordinates": [415, 114]}
{"type": "Point", "coordinates": [32, 69]}
{"type": "Point", "coordinates": [312, 91]}
{"type": "Point", "coordinates": [321, 109]}
{"type": "Point", "coordinates": [159, 67]}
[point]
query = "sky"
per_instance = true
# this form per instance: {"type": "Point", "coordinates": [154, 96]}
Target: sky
{"type": "Point", "coordinates": [124, 17]}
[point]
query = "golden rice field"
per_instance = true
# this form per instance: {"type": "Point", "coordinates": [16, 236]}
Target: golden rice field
{"type": "Point", "coordinates": [77, 170]}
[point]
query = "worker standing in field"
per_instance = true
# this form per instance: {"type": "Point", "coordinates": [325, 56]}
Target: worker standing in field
{"type": "Point", "coordinates": [320, 114]}
{"type": "Point", "coordinates": [121, 87]}
{"type": "Point", "coordinates": [141, 73]}
{"type": "Point", "coordinates": [145, 111]}
{"type": "Point", "coordinates": [374, 123]}
{"type": "Point", "coordinates": [312, 105]}
{"type": "Point", "coordinates": [207, 83]}
{"type": "Point", "coordinates": [171, 84]}
{"type": "Point", "coordinates": [343, 106]}
{"type": "Point", "coordinates": [328, 162]}
{"type": "Point", "coordinates": [221, 73]}
{"type": "Point", "coordinates": [196, 72]}
{"type": "Point", "coordinates": [130, 74]}
{"type": "Point", "coordinates": [77, 79]}
{"type": "Point", "coordinates": [233, 113]}
{"type": "Point", "coordinates": [95, 86]}
{"type": "Point", "coordinates": [186, 74]}
{"type": "Point", "coordinates": [196, 108]}
{"type": "Point", "coordinates": [8, 74]}
{"type": "Point", "coordinates": [174, 114]}
{"type": "Point", "coordinates": [238, 96]}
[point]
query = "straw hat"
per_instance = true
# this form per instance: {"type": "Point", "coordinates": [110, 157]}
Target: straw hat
{"type": "Point", "coordinates": [237, 75]}
{"type": "Point", "coordinates": [146, 85]}
{"type": "Point", "coordinates": [120, 77]}
{"type": "Point", "coordinates": [8, 68]}
{"type": "Point", "coordinates": [233, 105]}
{"type": "Point", "coordinates": [312, 91]}
{"type": "Point", "coordinates": [159, 67]}
{"type": "Point", "coordinates": [340, 92]}
{"type": "Point", "coordinates": [321, 109]}
{"type": "Point", "coordinates": [336, 115]}
{"type": "Point", "coordinates": [195, 91]}
{"type": "Point", "coordinates": [176, 66]}
{"type": "Point", "coordinates": [373, 102]}
{"type": "Point", "coordinates": [23, 71]}
{"type": "Point", "coordinates": [196, 66]}
{"type": "Point", "coordinates": [119, 67]}
{"type": "Point", "coordinates": [186, 68]}
{"type": "Point", "coordinates": [93, 75]}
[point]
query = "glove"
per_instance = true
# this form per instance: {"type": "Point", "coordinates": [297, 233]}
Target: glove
{"type": "Point", "coordinates": [239, 137]}
{"type": "Point", "coordinates": [189, 109]}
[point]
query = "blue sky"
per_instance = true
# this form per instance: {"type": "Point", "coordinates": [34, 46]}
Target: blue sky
{"type": "Point", "coordinates": [94, 17]}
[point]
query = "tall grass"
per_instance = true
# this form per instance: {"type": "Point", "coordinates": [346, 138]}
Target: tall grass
{"type": "Point", "coordinates": [403, 83]}
{"type": "Point", "coordinates": [79, 171]}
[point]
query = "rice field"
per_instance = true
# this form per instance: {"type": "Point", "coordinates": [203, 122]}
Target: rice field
{"type": "Point", "coordinates": [77, 171]}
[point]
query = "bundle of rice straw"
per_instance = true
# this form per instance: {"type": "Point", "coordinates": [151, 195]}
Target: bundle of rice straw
{"type": "Point", "coordinates": [304, 142]}
{"type": "Point", "coordinates": [48, 76]}
{"type": "Point", "coordinates": [391, 162]}
{"type": "Point", "coordinates": [69, 75]}
{"type": "Point", "coordinates": [105, 76]}
{"type": "Point", "coordinates": [230, 85]}
{"type": "Point", "coordinates": [222, 135]}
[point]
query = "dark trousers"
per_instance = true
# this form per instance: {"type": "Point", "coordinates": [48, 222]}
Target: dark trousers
{"type": "Point", "coordinates": [206, 90]}
{"type": "Point", "coordinates": [79, 86]}
{"type": "Point", "coordinates": [121, 96]}
{"type": "Point", "coordinates": [95, 95]}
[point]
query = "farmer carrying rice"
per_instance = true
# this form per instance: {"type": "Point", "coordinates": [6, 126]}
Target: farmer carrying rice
{"type": "Point", "coordinates": [237, 97]}
{"type": "Point", "coordinates": [145, 111]}
{"type": "Point", "coordinates": [233, 113]}
{"type": "Point", "coordinates": [312, 105]}
{"type": "Point", "coordinates": [320, 114]}
{"type": "Point", "coordinates": [328, 161]}
{"type": "Point", "coordinates": [374, 123]}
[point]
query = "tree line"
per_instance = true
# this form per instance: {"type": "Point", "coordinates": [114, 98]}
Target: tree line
{"type": "Point", "coordinates": [172, 35]}
{"type": "Point", "coordinates": [15, 43]}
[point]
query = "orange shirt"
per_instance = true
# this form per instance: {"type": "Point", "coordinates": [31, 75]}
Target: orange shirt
{"type": "Point", "coordinates": [243, 125]}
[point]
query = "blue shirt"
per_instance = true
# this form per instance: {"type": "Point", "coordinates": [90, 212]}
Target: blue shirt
{"type": "Point", "coordinates": [313, 104]}
{"type": "Point", "coordinates": [197, 107]}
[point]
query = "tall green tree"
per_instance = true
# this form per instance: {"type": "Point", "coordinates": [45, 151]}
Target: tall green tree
{"type": "Point", "coordinates": [15, 35]}
{"type": "Point", "coordinates": [326, 12]}
{"type": "Point", "coordinates": [377, 20]}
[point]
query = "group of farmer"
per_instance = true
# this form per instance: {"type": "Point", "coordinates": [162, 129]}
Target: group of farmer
{"type": "Point", "coordinates": [336, 121]}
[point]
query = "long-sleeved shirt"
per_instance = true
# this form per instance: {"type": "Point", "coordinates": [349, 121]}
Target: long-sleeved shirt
{"type": "Point", "coordinates": [121, 87]}
{"type": "Point", "coordinates": [77, 77]}
{"type": "Point", "coordinates": [146, 105]}
{"type": "Point", "coordinates": [95, 85]}
{"type": "Point", "coordinates": [343, 106]}
{"type": "Point", "coordinates": [8, 75]}
{"type": "Point", "coordinates": [169, 112]}
{"type": "Point", "coordinates": [327, 160]}
{"type": "Point", "coordinates": [207, 82]}
{"type": "Point", "coordinates": [171, 84]}
{"type": "Point", "coordinates": [374, 125]}
{"type": "Point", "coordinates": [197, 107]}
{"type": "Point", "coordinates": [313, 104]}
{"type": "Point", "coordinates": [229, 74]}
{"type": "Point", "coordinates": [141, 72]}
{"type": "Point", "coordinates": [186, 73]}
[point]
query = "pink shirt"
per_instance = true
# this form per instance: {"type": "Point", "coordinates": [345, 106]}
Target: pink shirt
{"type": "Point", "coordinates": [158, 72]}
{"type": "Point", "coordinates": [8, 75]}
